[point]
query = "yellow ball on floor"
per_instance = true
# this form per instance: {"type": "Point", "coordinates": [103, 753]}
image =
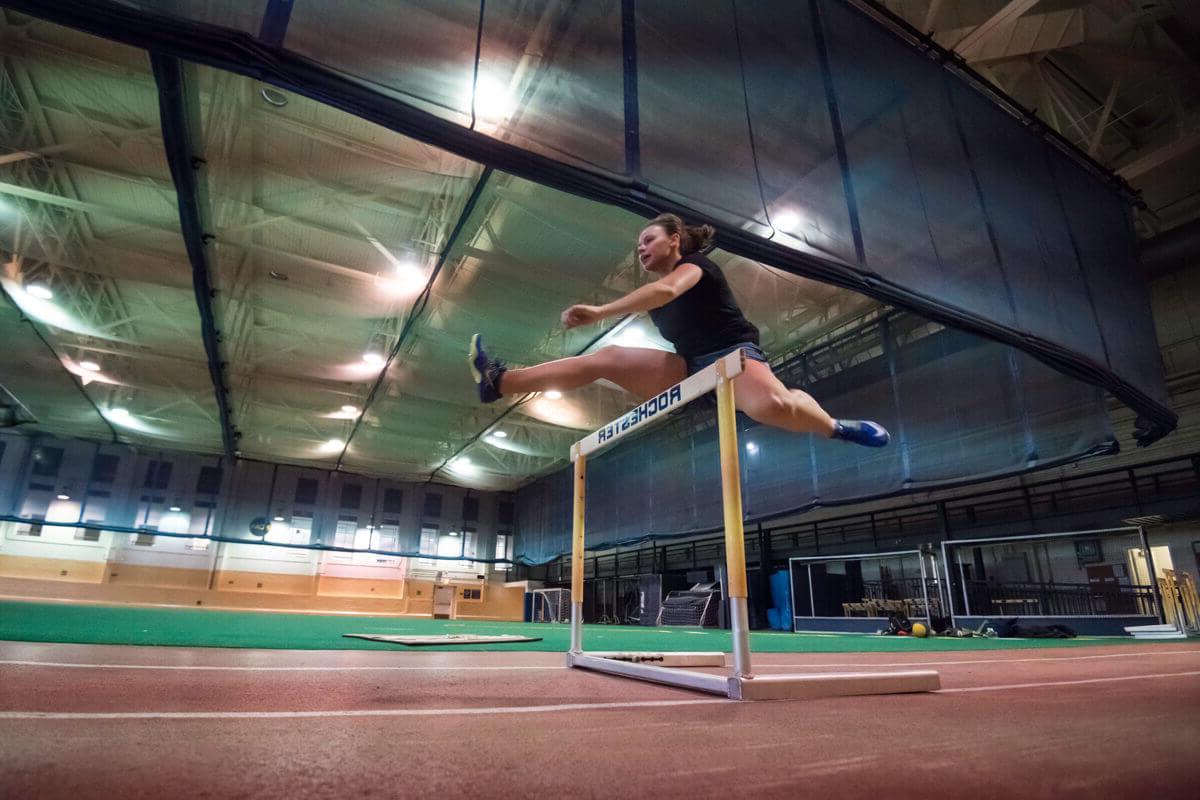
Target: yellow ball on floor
{"type": "Point", "coordinates": [919, 630]}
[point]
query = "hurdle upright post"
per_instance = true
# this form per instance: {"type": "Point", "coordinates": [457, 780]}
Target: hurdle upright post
{"type": "Point", "coordinates": [731, 500]}
{"type": "Point", "coordinates": [577, 550]}
{"type": "Point", "coordinates": [664, 667]}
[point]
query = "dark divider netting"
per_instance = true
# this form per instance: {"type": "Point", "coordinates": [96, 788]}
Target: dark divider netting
{"type": "Point", "coordinates": [960, 408]}
{"type": "Point", "coordinates": [829, 144]}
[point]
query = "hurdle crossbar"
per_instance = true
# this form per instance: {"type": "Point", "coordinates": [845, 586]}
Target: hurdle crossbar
{"type": "Point", "coordinates": [741, 683]}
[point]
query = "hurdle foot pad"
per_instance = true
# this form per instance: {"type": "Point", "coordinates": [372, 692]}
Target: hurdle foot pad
{"type": "Point", "coordinates": [665, 659]}
{"type": "Point", "coordinates": [835, 684]}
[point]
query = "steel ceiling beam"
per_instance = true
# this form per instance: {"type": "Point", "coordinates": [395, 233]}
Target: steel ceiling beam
{"type": "Point", "coordinates": [179, 109]}
{"type": "Point", "coordinates": [243, 54]}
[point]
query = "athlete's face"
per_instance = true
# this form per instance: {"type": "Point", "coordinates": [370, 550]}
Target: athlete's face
{"type": "Point", "coordinates": [657, 250]}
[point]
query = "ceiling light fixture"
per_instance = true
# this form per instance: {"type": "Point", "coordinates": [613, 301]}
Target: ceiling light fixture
{"type": "Point", "coordinates": [553, 394]}
{"type": "Point", "coordinates": [64, 496]}
{"type": "Point", "coordinates": [89, 366]}
{"type": "Point", "coordinates": [274, 97]}
{"type": "Point", "coordinates": [372, 358]}
{"type": "Point", "coordinates": [499, 435]}
{"type": "Point", "coordinates": [350, 410]}
{"type": "Point", "coordinates": [40, 291]}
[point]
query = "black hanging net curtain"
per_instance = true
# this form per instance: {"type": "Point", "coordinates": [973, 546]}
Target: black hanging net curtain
{"type": "Point", "coordinates": [818, 142]}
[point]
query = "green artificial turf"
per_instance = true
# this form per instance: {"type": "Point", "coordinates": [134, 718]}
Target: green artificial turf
{"type": "Point", "coordinates": [187, 627]}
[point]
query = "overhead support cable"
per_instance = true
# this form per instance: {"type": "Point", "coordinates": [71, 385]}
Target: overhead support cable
{"type": "Point", "coordinates": [179, 110]}
{"type": "Point", "coordinates": [520, 402]}
{"type": "Point", "coordinates": [32, 418]}
{"type": "Point", "coordinates": [275, 22]}
{"type": "Point", "coordinates": [420, 303]}
{"type": "Point", "coordinates": [243, 54]}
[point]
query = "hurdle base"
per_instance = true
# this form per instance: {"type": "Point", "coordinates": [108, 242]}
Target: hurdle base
{"type": "Point", "coordinates": [762, 687]}
{"type": "Point", "coordinates": [832, 684]}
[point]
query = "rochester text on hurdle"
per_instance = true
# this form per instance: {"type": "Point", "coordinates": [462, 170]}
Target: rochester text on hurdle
{"type": "Point", "coordinates": [640, 414]}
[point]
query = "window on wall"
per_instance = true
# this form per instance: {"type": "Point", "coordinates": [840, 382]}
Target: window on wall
{"type": "Point", "coordinates": [306, 492]}
{"type": "Point", "coordinates": [460, 546]}
{"type": "Point", "coordinates": [470, 509]}
{"type": "Point", "coordinates": [104, 468]}
{"type": "Point", "coordinates": [429, 539]}
{"type": "Point", "coordinates": [393, 501]}
{"type": "Point", "coordinates": [352, 495]}
{"type": "Point", "coordinates": [47, 461]}
{"type": "Point", "coordinates": [87, 534]}
{"type": "Point", "coordinates": [209, 480]}
{"type": "Point", "coordinates": [158, 475]}
{"type": "Point", "coordinates": [433, 505]}
{"type": "Point", "coordinates": [387, 537]}
{"type": "Point", "coordinates": [429, 545]}
{"type": "Point", "coordinates": [503, 550]}
{"type": "Point", "coordinates": [344, 534]}
{"type": "Point", "coordinates": [298, 530]}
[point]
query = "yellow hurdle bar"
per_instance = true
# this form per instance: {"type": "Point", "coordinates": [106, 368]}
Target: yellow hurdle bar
{"type": "Point", "coordinates": [741, 684]}
{"type": "Point", "coordinates": [577, 556]}
{"type": "Point", "coordinates": [731, 499]}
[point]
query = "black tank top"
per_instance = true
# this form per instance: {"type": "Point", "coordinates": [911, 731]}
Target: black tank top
{"type": "Point", "coordinates": [706, 317]}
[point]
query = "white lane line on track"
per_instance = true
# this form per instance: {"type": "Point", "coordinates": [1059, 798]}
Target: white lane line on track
{"type": "Point", "coordinates": [377, 712]}
{"type": "Point", "coordinates": [446, 668]}
{"type": "Point", "coordinates": [1082, 681]}
{"type": "Point", "coordinates": [988, 660]}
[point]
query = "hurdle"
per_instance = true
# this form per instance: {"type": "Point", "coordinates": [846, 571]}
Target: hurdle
{"type": "Point", "coordinates": [740, 683]}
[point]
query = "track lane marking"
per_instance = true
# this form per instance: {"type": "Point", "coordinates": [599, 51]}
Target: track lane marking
{"type": "Point", "coordinates": [379, 712]}
{"type": "Point", "coordinates": [359, 668]}
{"type": "Point", "coordinates": [1081, 681]}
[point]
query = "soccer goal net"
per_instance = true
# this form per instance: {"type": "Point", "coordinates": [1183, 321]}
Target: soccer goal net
{"type": "Point", "coordinates": [551, 605]}
{"type": "Point", "coordinates": [696, 606]}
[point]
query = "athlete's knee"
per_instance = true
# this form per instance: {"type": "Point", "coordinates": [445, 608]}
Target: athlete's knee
{"type": "Point", "coordinates": [764, 406]}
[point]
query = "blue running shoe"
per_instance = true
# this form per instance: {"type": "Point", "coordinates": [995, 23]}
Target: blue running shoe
{"type": "Point", "coordinates": [861, 431]}
{"type": "Point", "coordinates": [485, 370]}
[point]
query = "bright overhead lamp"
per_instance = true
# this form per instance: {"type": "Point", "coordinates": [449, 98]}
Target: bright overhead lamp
{"type": "Point", "coordinates": [350, 410]}
{"type": "Point", "coordinates": [499, 435]}
{"type": "Point", "coordinates": [274, 97]}
{"type": "Point", "coordinates": [118, 413]}
{"type": "Point", "coordinates": [277, 518]}
{"type": "Point", "coordinates": [786, 221]}
{"type": "Point", "coordinates": [463, 466]}
{"type": "Point", "coordinates": [63, 496]}
{"type": "Point", "coordinates": [372, 358]}
{"type": "Point", "coordinates": [493, 99]}
{"type": "Point", "coordinates": [89, 366]}
{"type": "Point", "coordinates": [553, 394]}
{"type": "Point", "coordinates": [751, 448]}
{"type": "Point", "coordinates": [333, 445]}
{"type": "Point", "coordinates": [40, 291]}
{"type": "Point", "coordinates": [175, 508]}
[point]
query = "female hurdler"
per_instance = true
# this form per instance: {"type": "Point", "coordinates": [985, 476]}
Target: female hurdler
{"type": "Point", "coordinates": [693, 308]}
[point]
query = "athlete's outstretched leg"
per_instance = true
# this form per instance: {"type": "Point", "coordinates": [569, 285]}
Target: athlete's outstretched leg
{"type": "Point", "coordinates": [762, 397]}
{"type": "Point", "coordinates": [642, 371]}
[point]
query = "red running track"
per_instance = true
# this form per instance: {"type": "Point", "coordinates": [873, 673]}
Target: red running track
{"type": "Point", "coordinates": [81, 721]}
